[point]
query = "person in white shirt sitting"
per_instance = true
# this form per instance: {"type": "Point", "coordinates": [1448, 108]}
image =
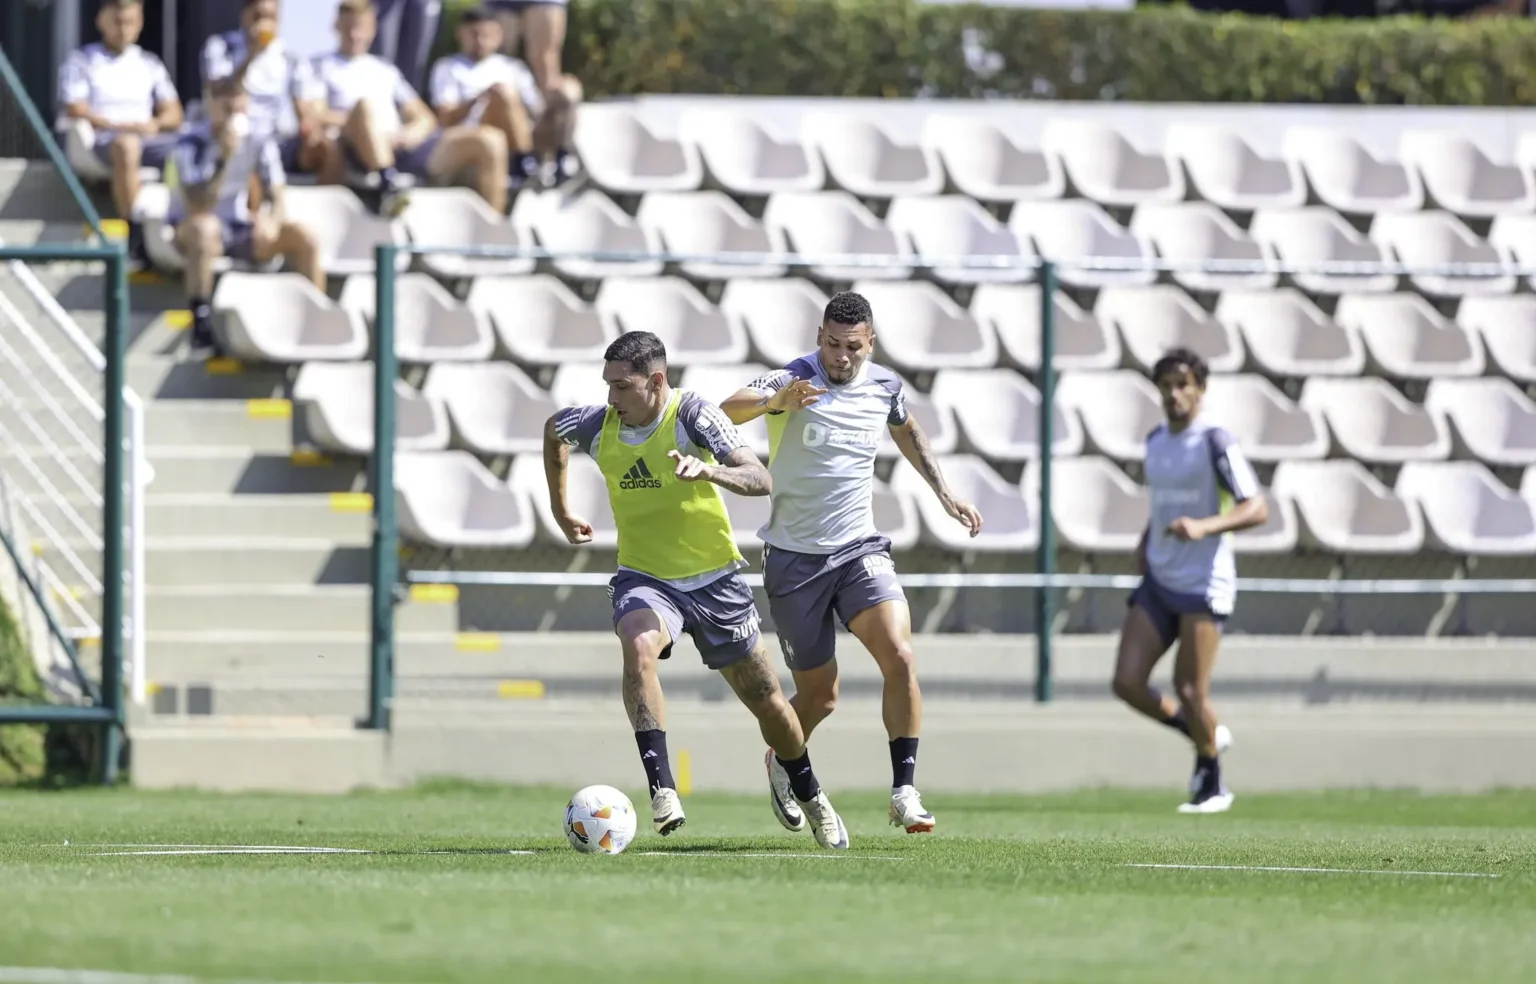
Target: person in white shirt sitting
{"type": "Point", "coordinates": [539, 27]}
{"type": "Point", "coordinates": [481, 85]}
{"type": "Point", "coordinates": [385, 128]}
{"type": "Point", "coordinates": [210, 172]}
{"type": "Point", "coordinates": [286, 101]}
{"type": "Point", "coordinates": [124, 97]}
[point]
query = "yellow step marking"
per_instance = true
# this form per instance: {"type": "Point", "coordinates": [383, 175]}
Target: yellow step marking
{"type": "Point", "coordinates": [112, 229]}
{"type": "Point", "coordinates": [88, 641]}
{"type": "Point", "coordinates": [179, 320]}
{"type": "Point", "coordinates": [351, 502]}
{"type": "Point", "coordinates": [308, 458]}
{"type": "Point", "coordinates": [224, 367]}
{"type": "Point", "coordinates": [434, 594]}
{"type": "Point", "coordinates": [269, 409]}
{"type": "Point", "coordinates": [146, 278]}
{"type": "Point", "coordinates": [151, 689]}
{"type": "Point", "coordinates": [477, 642]}
{"type": "Point", "coordinates": [521, 689]}
{"type": "Point", "coordinates": [684, 773]}
{"type": "Point", "coordinates": [39, 547]}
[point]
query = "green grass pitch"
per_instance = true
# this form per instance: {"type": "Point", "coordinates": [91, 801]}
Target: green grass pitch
{"type": "Point", "coordinates": [1009, 889]}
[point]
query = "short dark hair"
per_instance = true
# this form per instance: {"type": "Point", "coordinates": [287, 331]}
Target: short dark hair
{"type": "Point", "coordinates": [848, 308]}
{"type": "Point", "coordinates": [642, 350]}
{"type": "Point", "coordinates": [478, 15]}
{"type": "Point", "coordinates": [1174, 358]}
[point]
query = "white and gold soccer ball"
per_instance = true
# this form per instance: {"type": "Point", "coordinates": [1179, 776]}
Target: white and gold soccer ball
{"type": "Point", "coordinates": [600, 820]}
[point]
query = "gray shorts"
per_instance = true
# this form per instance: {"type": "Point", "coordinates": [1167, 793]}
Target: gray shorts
{"type": "Point", "coordinates": [1165, 608]}
{"type": "Point", "coordinates": [804, 590]}
{"type": "Point", "coordinates": [154, 150]}
{"type": "Point", "coordinates": [721, 616]}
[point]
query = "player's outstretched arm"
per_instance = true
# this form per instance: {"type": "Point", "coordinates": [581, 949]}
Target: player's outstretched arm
{"type": "Point", "coordinates": [915, 447]}
{"type": "Point", "coordinates": [751, 402]}
{"type": "Point", "coordinates": [1245, 515]}
{"type": "Point", "coordinates": [741, 472]}
{"type": "Point", "coordinates": [557, 458]}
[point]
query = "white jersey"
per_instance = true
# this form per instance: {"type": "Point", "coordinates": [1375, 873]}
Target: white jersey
{"type": "Point", "coordinates": [274, 79]}
{"type": "Point", "coordinates": [459, 79]}
{"type": "Point", "coordinates": [122, 88]}
{"type": "Point", "coordinates": [196, 158]}
{"type": "Point", "coordinates": [348, 81]}
{"type": "Point", "coordinates": [823, 456]}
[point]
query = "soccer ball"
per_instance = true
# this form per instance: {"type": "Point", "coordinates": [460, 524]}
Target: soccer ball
{"type": "Point", "coordinates": [600, 820]}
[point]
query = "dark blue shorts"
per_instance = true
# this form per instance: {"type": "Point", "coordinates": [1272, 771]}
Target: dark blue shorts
{"type": "Point", "coordinates": [412, 162]}
{"type": "Point", "coordinates": [290, 148]}
{"type": "Point", "coordinates": [721, 616]}
{"type": "Point", "coordinates": [156, 149]}
{"type": "Point", "coordinates": [806, 590]}
{"type": "Point", "coordinates": [1165, 607]}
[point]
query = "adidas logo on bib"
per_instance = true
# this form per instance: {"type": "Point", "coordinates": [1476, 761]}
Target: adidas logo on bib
{"type": "Point", "coordinates": [639, 477]}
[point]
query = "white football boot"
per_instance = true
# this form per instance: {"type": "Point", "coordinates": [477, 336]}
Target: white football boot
{"type": "Point", "coordinates": [1205, 797]}
{"type": "Point", "coordinates": [785, 809]}
{"type": "Point", "coordinates": [907, 811]}
{"type": "Point", "coordinates": [1223, 738]}
{"type": "Point", "coordinates": [825, 823]}
{"type": "Point", "coordinates": [667, 811]}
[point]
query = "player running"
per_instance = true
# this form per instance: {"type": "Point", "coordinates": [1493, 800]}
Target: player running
{"type": "Point", "coordinates": [665, 455]}
{"type": "Point", "coordinates": [822, 553]}
{"type": "Point", "coordinates": [1203, 490]}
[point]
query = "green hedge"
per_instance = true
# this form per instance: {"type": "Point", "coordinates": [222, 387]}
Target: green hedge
{"type": "Point", "coordinates": [900, 48]}
{"type": "Point", "coordinates": [23, 747]}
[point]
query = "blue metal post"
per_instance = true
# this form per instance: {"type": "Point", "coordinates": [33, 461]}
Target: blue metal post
{"type": "Point", "coordinates": [385, 571]}
{"type": "Point", "coordinates": [1045, 555]}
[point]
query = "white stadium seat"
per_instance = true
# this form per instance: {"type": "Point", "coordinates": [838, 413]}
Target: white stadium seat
{"type": "Point", "coordinates": [1344, 509]}
{"type": "Point", "coordinates": [282, 317]}
{"type": "Point", "coordinates": [1193, 232]}
{"type": "Point", "coordinates": [1314, 236]}
{"type": "Point", "coordinates": [919, 327]}
{"type": "Point", "coordinates": [1009, 523]}
{"type": "Point", "coordinates": [1406, 338]}
{"type": "Point", "coordinates": [864, 158]}
{"type": "Point", "coordinates": [579, 384]}
{"type": "Point", "coordinates": [1438, 239]}
{"type": "Point", "coordinates": [586, 492]}
{"type": "Point", "coordinates": [1349, 178]}
{"type": "Point", "coordinates": [749, 513]}
{"type": "Point", "coordinates": [999, 414]}
{"type": "Point", "coordinates": [1118, 408]}
{"type": "Point", "coordinates": [835, 224]}
{"type": "Point", "coordinates": [1507, 326]}
{"type": "Point", "coordinates": [1514, 237]}
{"type": "Point", "coordinates": [1372, 422]}
{"type": "Point", "coordinates": [1013, 312]}
{"type": "Point", "coordinates": [494, 407]}
{"type": "Point", "coordinates": [693, 330]}
{"type": "Point", "coordinates": [1228, 173]}
{"type": "Point", "coordinates": [987, 164]}
{"type": "Point", "coordinates": [1278, 534]}
{"type": "Point", "coordinates": [708, 222]}
{"type": "Point", "coordinates": [335, 402]}
{"type": "Point", "coordinates": [540, 321]}
{"type": "Point", "coordinates": [718, 383]}
{"type": "Point", "coordinates": [954, 226]}
{"type": "Point", "coordinates": [745, 156]}
{"type": "Point", "coordinates": [625, 156]}
{"type": "Point", "coordinates": [1289, 335]}
{"type": "Point", "coordinates": [1460, 178]}
{"type": "Point", "coordinates": [1104, 166]}
{"type": "Point", "coordinates": [1097, 508]}
{"type": "Point", "coordinates": [1072, 229]}
{"type": "Point", "coordinates": [430, 324]}
{"type": "Point", "coordinates": [1491, 418]}
{"type": "Point", "coordinates": [896, 517]}
{"type": "Point", "coordinates": [1152, 320]}
{"type": "Point", "coordinates": [1267, 424]}
{"type": "Point", "coordinates": [1528, 484]}
{"type": "Point", "coordinates": [449, 499]}
{"type": "Point", "coordinates": [588, 222]}
{"type": "Point", "coordinates": [346, 232]}
{"type": "Point", "coordinates": [460, 217]}
{"type": "Point", "coordinates": [780, 317]}
{"type": "Point", "coordinates": [1468, 511]}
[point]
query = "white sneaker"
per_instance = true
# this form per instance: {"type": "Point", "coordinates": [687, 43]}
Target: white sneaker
{"type": "Point", "coordinates": [1223, 738]}
{"type": "Point", "coordinates": [785, 809]}
{"type": "Point", "coordinates": [907, 811]}
{"type": "Point", "coordinates": [1219, 802]}
{"type": "Point", "coordinates": [825, 823]}
{"type": "Point", "coordinates": [667, 811]}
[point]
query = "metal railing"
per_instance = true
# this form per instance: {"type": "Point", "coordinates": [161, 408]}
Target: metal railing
{"type": "Point", "coordinates": [1044, 582]}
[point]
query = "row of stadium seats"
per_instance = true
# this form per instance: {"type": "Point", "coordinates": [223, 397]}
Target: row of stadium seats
{"type": "Point", "coordinates": [537, 320]}
{"type": "Point", "coordinates": [450, 499]}
{"type": "Point", "coordinates": [495, 409]}
{"type": "Point", "coordinates": [853, 151]}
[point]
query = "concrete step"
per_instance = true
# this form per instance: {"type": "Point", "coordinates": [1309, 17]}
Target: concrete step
{"type": "Point", "coordinates": [31, 232]}
{"type": "Point", "coordinates": [302, 608]}
{"type": "Point", "coordinates": [342, 519]}
{"type": "Point", "coordinates": [210, 470]}
{"type": "Point", "coordinates": [250, 657]}
{"type": "Point", "coordinates": [181, 561]}
{"type": "Point", "coordinates": [34, 190]}
{"type": "Point", "coordinates": [264, 426]}
{"type": "Point", "coordinates": [168, 378]}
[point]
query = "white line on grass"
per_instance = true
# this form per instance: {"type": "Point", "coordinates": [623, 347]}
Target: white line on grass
{"type": "Point", "coordinates": [66, 975]}
{"type": "Point", "coordinates": [194, 850]}
{"type": "Point", "coordinates": [1318, 871]}
{"type": "Point", "coordinates": [765, 854]}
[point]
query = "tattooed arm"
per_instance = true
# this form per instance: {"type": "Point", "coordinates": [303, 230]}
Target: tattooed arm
{"type": "Point", "coordinates": [741, 472]}
{"type": "Point", "coordinates": [916, 449]}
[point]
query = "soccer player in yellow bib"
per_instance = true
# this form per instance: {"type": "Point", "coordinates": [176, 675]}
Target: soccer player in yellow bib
{"type": "Point", "coordinates": [665, 455]}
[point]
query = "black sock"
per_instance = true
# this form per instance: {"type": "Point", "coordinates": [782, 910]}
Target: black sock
{"type": "Point", "coordinates": [1211, 767]}
{"type": "Point", "coordinates": [389, 178]}
{"type": "Point", "coordinates": [526, 165]}
{"type": "Point", "coordinates": [653, 755]}
{"type": "Point", "coordinates": [801, 779]}
{"type": "Point", "coordinates": [202, 320]}
{"type": "Point", "coordinates": [903, 761]}
{"type": "Point", "coordinates": [1177, 723]}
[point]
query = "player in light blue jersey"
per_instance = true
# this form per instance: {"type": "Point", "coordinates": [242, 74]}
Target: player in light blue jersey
{"type": "Point", "coordinates": [822, 555]}
{"type": "Point", "coordinates": [1203, 490]}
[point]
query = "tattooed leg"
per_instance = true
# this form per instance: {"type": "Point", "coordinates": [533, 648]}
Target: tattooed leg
{"type": "Point", "coordinates": [757, 685]}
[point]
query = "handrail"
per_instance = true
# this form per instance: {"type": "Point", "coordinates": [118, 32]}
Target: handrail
{"type": "Point", "coordinates": [46, 398]}
{"type": "Point", "coordinates": [50, 146]}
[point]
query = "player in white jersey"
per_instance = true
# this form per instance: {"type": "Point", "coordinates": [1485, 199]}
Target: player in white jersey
{"type": "Point", "coordinates": [823, 555]}
{"type": "Point", "coordinates": [1203, 490]}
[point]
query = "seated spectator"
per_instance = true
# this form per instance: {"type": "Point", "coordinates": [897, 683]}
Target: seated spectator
{"type": "Point", "coordinates": [286, 101]}
{"type": "Point", "coordinates": [211, 171]}
{"type": "Point", "coordinates": [123, 97]}
{"type": "Point", "coordinates": [386, 129]}
{"type": "Point", "coordinates": [481, 85]}
{"type": "Point", "coordinates": [540, 26]}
